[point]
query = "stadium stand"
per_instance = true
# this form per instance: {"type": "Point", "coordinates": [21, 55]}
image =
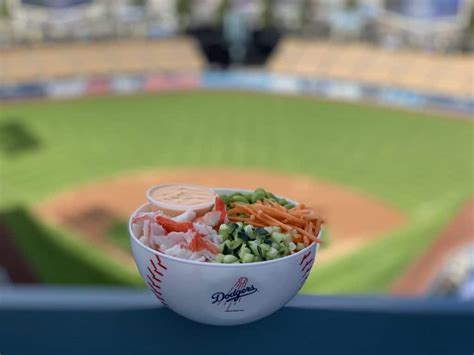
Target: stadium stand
{"type": "Point", "coordinates": [437, 73]}
{"type": "Point", "coordinates": [27, 64]}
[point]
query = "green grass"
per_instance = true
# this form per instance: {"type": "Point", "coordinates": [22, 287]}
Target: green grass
{"type": "Point", "coordinates": [404, 158]}
{"type": "Point", "coordinates": [373, 267]}
{"type": "Point", "coordinates": [326, 236]}
{"type": "Point", "coordinates": [58, 258]}
{"type": "Point", "coordinates": [118, 234]}
{"type": "Point", "coordinates": [415, 162]}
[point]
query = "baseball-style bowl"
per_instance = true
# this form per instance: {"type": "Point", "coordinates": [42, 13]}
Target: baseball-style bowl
{"type": "Point", "coordinates": [221, 294]}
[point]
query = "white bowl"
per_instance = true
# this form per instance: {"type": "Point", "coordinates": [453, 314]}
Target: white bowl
{"type": "Point", "coordinates": [222, 294]}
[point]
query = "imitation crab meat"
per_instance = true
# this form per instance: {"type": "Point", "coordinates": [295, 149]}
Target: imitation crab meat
{"type": "Point", "coordinates": [172, 226]}
{"type": "Point", "coordinates": [199, 243]}
{"type": "Point", "coordinates": [183, 236]}
{"type": "Point", "coordinates": [210, 218]}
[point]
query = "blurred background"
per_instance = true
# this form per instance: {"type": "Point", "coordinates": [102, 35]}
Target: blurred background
{"type": "Point", "coordinates": [361, 108]}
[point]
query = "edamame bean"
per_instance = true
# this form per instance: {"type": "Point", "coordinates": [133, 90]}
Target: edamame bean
{"type": "Point", "coordinates": [258, 196]}
{"type": "Point", "coordinates": [269, 195]}
{"type": "Point", "coordinates": [239, 198]}
{"type": "Point", "coordinates": [248, 196]}
{"type": "Point", "coordinates": [224, 198]}
{"type": "Point", "coordinates": [281, 201]}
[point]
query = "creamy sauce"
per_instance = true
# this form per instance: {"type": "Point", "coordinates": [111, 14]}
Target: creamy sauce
{"type": "Point", "coordinates": [183, 195]}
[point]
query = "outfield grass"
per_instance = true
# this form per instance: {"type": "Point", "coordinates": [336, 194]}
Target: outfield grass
{"type": "Point", "coordinates": [59, 258]}
{"type": "Point", "coordinates": [404, 158]}
{"type": "Point", "coordinates": [118, 234]}
{"type": "Point", "coordinates": [412, 161]}
{"type": "Point", "coordinates": [373, 268]}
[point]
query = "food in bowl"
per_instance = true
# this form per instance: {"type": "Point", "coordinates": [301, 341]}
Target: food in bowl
{"type": "Point", "coordinates": [241, 227]}
{"type": "Point", "coordinates": [204, 268]}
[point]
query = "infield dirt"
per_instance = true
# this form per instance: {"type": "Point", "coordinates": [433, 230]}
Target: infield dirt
{"type": "Point", "coordinates": [352, 218]}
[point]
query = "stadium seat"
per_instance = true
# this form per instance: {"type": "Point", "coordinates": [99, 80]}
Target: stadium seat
{"type": "Point", "coordinates": [408, 69]}
{"type": "Point", "coordinates": [97, 59]}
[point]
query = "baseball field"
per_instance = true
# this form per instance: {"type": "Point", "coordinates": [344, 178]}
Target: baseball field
{"type": "Point", "coordinates": [71, 171]}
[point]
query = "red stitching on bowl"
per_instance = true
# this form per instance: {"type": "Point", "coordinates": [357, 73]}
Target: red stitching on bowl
{"type": "Point", "coordinates": [151, 281]}
{"type": "Point", "coordinates": [155, 292]}
{"type": "Point", "coordinates": [306, 274]}
{"type": "Point", "coordinates": [307, 263]}
{"type": "Point", "coordinates": [155, 269]}
{"type": "Point", "coordinates": [154, 276]}
{"type": "Point", "coordinates": [158, 295]}
{"type": "Point", "coordinates": [160, 263]}
{"type": "Point", "coordinates": [305, 256]}
{"type": "Point", "coordinates": [160, 298]}
{"type": "Point", "coordinates": [153, 287]}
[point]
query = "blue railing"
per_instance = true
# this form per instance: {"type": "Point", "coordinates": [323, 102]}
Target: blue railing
{"type": "Point", "coordinates": [57, 320]}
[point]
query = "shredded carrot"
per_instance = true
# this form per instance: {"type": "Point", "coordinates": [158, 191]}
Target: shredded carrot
{"type": "Point", "coordinates": [301, 221]}
{"type": "Point", "coordinates": [317, 228]}
{"type": "Point", "coordinates": [305, 240]}
{"type": "Point", "coordinates": [277, 206]}
{"type": "Point", "coordinates": [275, 213]}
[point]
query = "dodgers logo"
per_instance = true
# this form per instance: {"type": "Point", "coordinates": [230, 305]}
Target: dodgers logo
{"type": "Point", "coordinates": [230, 300]}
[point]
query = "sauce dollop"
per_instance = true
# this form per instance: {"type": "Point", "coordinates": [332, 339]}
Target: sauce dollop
{"type": "Point", "coordinates": [183, 195]}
